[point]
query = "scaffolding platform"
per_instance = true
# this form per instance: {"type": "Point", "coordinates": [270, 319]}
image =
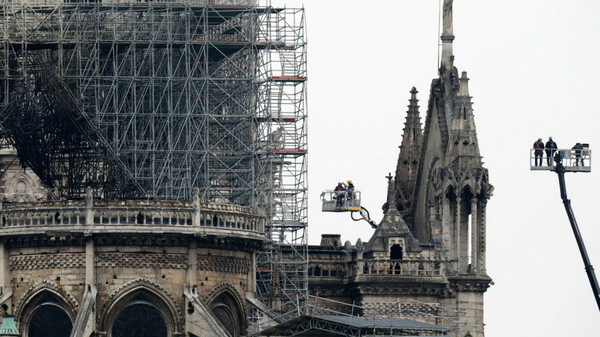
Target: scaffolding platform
{"type": "Point", "coordinates": [573, 160]}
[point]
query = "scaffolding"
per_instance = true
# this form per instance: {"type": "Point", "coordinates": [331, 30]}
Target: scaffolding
{"type": "Point", "coordinates": [155, 99]}
{"type": "Point", "coordinates": [325, 317]}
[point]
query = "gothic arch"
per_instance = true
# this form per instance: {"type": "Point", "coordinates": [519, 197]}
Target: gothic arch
{"type": "Point", "coordinates": [222, 287]}
{"type": "Point", "coordinates": [450, 191]}
{"type": "Point", "coordinates": [68, 301]}
{"type": "Point", "coordinates": [469, 177]}
{"type": "Point", "coordinates": [47, 307]}
{"type": "Point", "coordinates": [26, 185]}
{"type": "Point", "coordinates": [227, 304]}
{"type": "Point", "coordinates": [157, 297]}
{"type": "Point", "coordinates": [466, 195]}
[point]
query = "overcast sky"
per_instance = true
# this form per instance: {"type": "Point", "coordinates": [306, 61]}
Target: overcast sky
{"type": "Point", "coordinates": [535, 72]}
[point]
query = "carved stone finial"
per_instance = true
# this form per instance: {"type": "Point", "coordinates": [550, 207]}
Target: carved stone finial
{"type": "Point", "coordinates": [391, 197]}
{"type": "Point", "coordinates": [196, 197]}
{"type": "Point", "coordinates": [414, 93]}
{"type": "Point", "coordinates": [260, 207]}
{"type": "Point", "coordinates": [89, 196]}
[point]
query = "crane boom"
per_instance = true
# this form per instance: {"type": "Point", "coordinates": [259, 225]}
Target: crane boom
{"type": "Point", "coordinates": [589, 269]}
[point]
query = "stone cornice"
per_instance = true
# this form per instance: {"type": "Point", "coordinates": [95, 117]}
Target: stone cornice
{"type": "Point", "coordinates": [67, 239]}
{"type": "Point", "coordinates": [441, 290]}
{"type": "Point", "coordinates": [478, 284]}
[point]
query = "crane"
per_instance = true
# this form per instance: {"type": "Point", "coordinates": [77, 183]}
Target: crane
{"type": "Point", "coordinates": [572, 160]}
{"type": "Point", "coordinates": [589, 269]}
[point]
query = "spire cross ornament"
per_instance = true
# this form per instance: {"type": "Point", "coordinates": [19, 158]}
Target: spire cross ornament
{"type": "Point", "coordinates": [389, 176]}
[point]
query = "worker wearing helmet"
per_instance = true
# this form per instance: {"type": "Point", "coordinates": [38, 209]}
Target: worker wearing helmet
{"type": "Point", "coordinates": [350, 190]}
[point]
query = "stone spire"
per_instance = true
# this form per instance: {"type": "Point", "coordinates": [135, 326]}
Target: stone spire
{"type": "Point", "coordinates": [410, 151]}
{"type": "Point", "coordinates": [448, 73]}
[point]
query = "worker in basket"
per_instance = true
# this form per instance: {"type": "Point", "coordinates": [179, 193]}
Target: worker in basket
{"type": "Point", "coordinates": [339, 192]}
{"type": "Point", "coordinates": [350, 190]}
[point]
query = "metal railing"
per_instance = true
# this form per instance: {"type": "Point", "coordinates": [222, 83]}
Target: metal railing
{"type": "Point", "coordinates": [573, 160]}
{"type": "Point", "coordinates": [339, 201]}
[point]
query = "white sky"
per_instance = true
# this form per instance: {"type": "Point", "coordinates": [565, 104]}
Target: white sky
{"type": "Point", "coordinates": [535, 72]}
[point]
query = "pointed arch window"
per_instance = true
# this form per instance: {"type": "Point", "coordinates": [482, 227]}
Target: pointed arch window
{"type": "Point", "coordinates": [226, 310]}
{"type": "Point", "coordinates": [139, 317]}
{"type": "Point", "coordinates": [49, 319]}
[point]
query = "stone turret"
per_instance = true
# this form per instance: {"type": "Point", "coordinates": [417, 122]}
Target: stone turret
{"type": "Point", "coordinates": [391, 232]}
{"type": "Point", "coordinates": [463, 149]}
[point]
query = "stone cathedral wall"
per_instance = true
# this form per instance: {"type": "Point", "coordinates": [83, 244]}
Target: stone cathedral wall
{"type": "Point", "coordinates": [54, 253]}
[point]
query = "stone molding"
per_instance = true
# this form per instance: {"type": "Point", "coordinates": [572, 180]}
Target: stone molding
{"type": "Point", "coordinates": [47, 261]}
{"type": "Point", "coordinates": [45, 240]}
{"type": "Point", "coordinates": [470, 285]}
{"type": "Point", "coordinates": [223, 264]}
{"type": "Point", "coordinates": [436, 290]}
{"type": "Point", "coordinates": [142, 260]}
{"type": "Point", "coordinates": [396, 309]}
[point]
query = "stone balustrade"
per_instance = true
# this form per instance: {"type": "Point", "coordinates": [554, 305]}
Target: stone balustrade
{"type": "Point", "coordinates": [402, 267]}
{"type": "Point", "coordinates": [127, 216]}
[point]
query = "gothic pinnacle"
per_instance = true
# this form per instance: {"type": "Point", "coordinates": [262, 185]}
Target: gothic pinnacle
{"type": "Point", "coordinates": [391, 197]}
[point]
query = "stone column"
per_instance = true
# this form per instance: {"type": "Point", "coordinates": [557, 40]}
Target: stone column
{"type": "Point", "coordinates": [446, 223]}
{"type": "Point", "coordinates": [89, 209]}
{"type": "Point", "coordinates": [5, 284]}
{"type": "Point", "coordinates": [90, 254]}
{"type": "Point", "coordinates": [457, 224]}
{"type": "Point", "coordinates": [482, 237]}
{"type": "Point", "coordinates": [196, 200]}
{"type": "Point", "coordinates": [474, 236]}
{"type": "Point", "coordinates": [192, 265]}
{"type": "Point", "coordinates": [90, 258]}
{"type": "Point", "coordinates": [252, 275]}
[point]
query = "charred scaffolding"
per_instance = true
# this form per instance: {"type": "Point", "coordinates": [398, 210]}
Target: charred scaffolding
{"type": "Point", "coordinates": [156, 99]}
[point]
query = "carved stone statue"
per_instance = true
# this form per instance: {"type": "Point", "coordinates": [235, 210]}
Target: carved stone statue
{"type": "Point", "coordinates": [447, 17]}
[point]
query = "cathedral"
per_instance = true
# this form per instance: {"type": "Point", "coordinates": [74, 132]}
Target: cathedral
{"type": "Point", "coordinates": [91, 265]}
{"type": "Point", "coordinates": [430, 246]}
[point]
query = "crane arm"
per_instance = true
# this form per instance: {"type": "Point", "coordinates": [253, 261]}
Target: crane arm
{"type": "Point", "coordinates": [589, 269]}
{"type": "Point", "coordinates": [364, 215]}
